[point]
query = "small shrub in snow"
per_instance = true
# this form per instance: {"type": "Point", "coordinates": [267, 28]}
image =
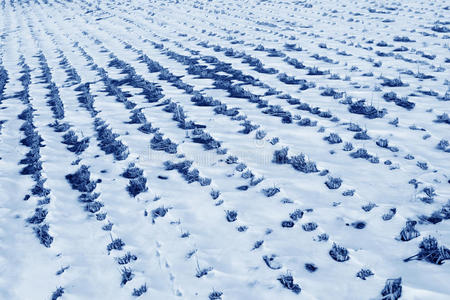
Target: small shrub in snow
{"type": "Point", "coordinates": [108, 142]}
{"type": "Point", "coordinates": [260, 134]}
{"type": "Point", "coordinates": [409, 232]}
{"type": "Point", "coordinates": [137, 117]}
{"type": "Point", "coordinates": [360, 153]}
{"type": "Point", "coordinates": [274, 140]}
{"type": "Point", "coordinates": [322, 237]}
{"type": "Point", "coordinates": [333, 182]}
{"type": "Point", "coordinates": [359, 107]}
{"type": "Point", "coordinates": [299, 163]}
{"type": "Point", "coordinates": [202, 272]}
{"type": "Point", "coordinates": [214, 194]}
{"type": "Point", "coordinates": [271, 262]}
{"type": "Point", "coordinates": [287, 281]}
{"type": "Point", "coordinates": [409, 157]}
{"type": "Point", "coordinates": [338, 253]}
{"type": "Point", "coordinates": [248, 127]}
{"type": "Point", "coordinates": [59, 127]}
{"type": "Point", "coordinates": [127, 258]}
{"type": "Point", "coordinates": [231, 215]}
{"type": "Point", "coordinates": [215, 295]}
{"type": "Point", "coordinates": [283, 77]}
{"type": "Point", "coordinates": [160, 144]}
{"type": "Point", "coordinates": [231, 160]}
{"type": "Point", "coordinates": [38, 217]}
{"type": "Point", "coordinates": [137, 186]}
{"type": "Point", "coordinates": [79, 146]}
{"type": "Point", "coordinates": [140, 291]}
{"type": "Point", "coordinates": [383, 143]}
{"type": "Point", "coordinates": [116, 244]}
{"type": "Point", "coordinates": [108, 227]}
{"type": "Point", "coordinates": [272, 191]}
{"type": "Point", "coordinates": [42, 234]}
{"type": "Point", "coordinates": [296, 215]}
{"type": "Point", "coordinates": [333, 138]}
{"type": "Point", "coordinates": [423, 165]}
{"type": "Point", "coordinates": [242, 228]}
{"type": "Point", "coordinates": [255, 181]}
{"type": "Point", "coordinates": [362, 135]}
{"type": "Point", "coordinates": [311, 226]}
{"type": "Point", "coordinates": [287, 224]}
{"type": "Point", "coordinates": [127, 275]}
{"type": "Point", "coordinates": [207, 140]}
{"type": "Point", "coordinates": [132, 171]}
{"type": "Point", "coordinates": [147, 128]}
{"type": "Point", "coordinates": [307, 122]}
{"type": "Point", "coordinates": [100, 216]}
{"type": "Point", "coordinates": [39, 189]}
{"type": "Point", "coordinates": [431, 252]}
{"type": "Point", "coordinates": [310, 267]}
{"type": "Point", "coordinates": [348, 193]}
{"type": "Point", "coordinates": [396, 82]}
{"type": "Point", "coordinates": [240, 167]}
{"type": "Point", "coordinates": [392, 289]}
{"type": "Point", "coordinates": [280, 156]}
{"type": "Point", "coordinates": [389, 215]}
{"type": "Point", "coordinates": [80, 180]}
{"type": "Point", "coordinates": [247, 174]}
{"type": "Point", "coordinates": [354, 127]}
{"type": "Point", "coordinates": [324, 172]}
{"type": "Point", "coordinates": [202, 100]}
{"type": "Point", "coordinates": [58, 293]}
{"type": "Point", "coordinates": [159, 213]}
{"type": "Point", "coordinates": [443, 145]}
{"type": "Point", "coordinates": [364, 273]}
{"type": "Point", "coordinates": [242, 187]}
{"type": "Point", "coordinates": [359, 225]}
{"type": "Point", "coordinates": [88, 197]}
{"type": "Point", "coordinates": [368, 207]}
{"type": "Point", "coordinates": [257, 244]}
{"type": "Point", "coordinates": [440, 29]}
{"type": "Point", "coordinates": [347, 146]}
{"type": "Point", "coordinates": [93, 207]}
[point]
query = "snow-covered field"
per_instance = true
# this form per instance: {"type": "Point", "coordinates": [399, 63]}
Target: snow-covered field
{"type": "Point", "coordinates": [224, 149]}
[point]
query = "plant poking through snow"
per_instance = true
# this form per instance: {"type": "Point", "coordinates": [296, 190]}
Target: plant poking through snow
{"type": "Point", "coordinates": [137, 186]}
{"type": "Point", "coordinates": [333, 138]}
{"type": "Point", "coordinates": [339, 253]}
{"type": "Point", "coordinates": [42, 234]}
{"type": "Point", "coordinates": [80, 180]}
{"type": "Point", "coordinates": [116, 244]}
{"type": "Point", "coordinates": [431, 252]}
{"type": "Point", "coordinates": [271, 262]}
{"type": "Point", "coordinates": [300, 164]}
{"type": "Point", "coordinates": [280, 156]}
{"type": "Point", "coordinates": [127, 275]}
{"type": "Point", "coordinates": [333, 182]}
{"type": "Point", "coordinates": [269, 192]}
{"type": "Point", "coordinates": [58, 293]}
{"type": "Point", "coordinates": [140, 291]}
{"type": "Point", "coordinates": [364, 273]}
{"type": "Point", "coordinates": [231, 215]}
{"type": "Point", "coordinates": [287, 281]}
{"type": "Point", "coordinates": [409, 232]}
{"type": "Point", "coordinates": [392, 289]}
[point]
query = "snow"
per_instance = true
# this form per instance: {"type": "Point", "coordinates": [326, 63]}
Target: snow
{"type": "Point", "coordinates": [234, 223]}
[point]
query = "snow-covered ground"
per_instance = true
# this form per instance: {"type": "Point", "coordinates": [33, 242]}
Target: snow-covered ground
{"type": "Point", "coordinates": [224, 149]}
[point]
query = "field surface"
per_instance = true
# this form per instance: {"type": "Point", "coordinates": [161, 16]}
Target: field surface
{"type": "Point", "coordinates": [224, 149]}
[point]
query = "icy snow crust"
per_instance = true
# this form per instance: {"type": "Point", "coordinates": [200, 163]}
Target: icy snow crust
{"type": "Point", "coordinates": [224, 149]}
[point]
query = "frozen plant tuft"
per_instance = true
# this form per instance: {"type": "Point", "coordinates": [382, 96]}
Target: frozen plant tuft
{"type": "Point", "coordinates": [287, 281]}
{"type": "Point", "coordinates": [338, 253]}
